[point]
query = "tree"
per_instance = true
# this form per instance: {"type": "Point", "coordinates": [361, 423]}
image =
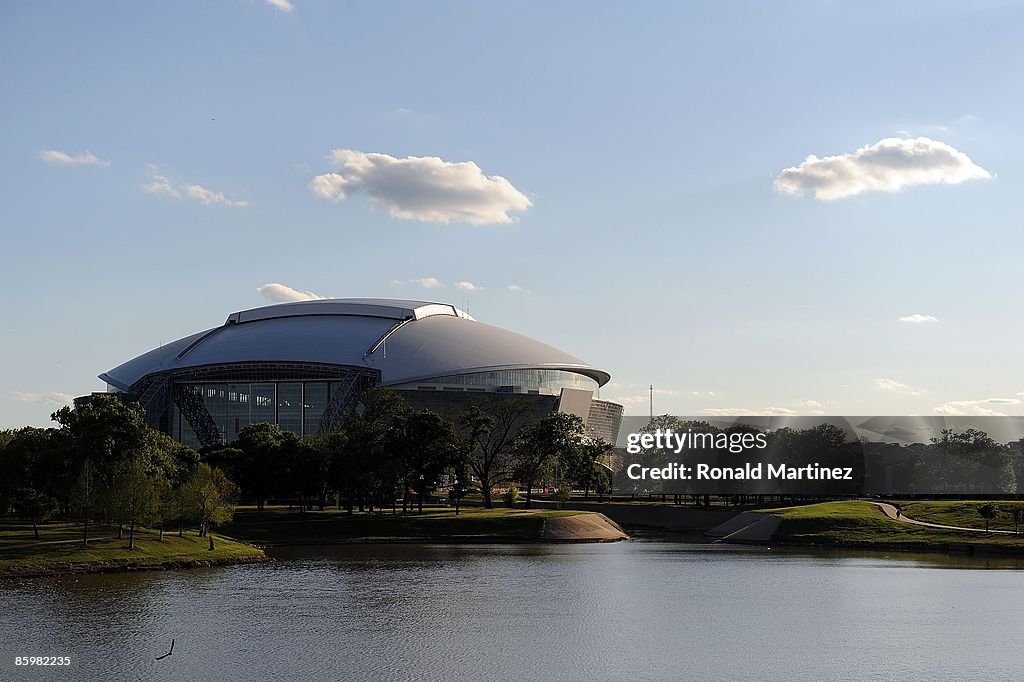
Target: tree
{"type": "Point", "coordinates": [426, 445]}
{"type": "Point", "coordinates": [581, 465]}
{"type": "Point", "coordinates": [166, 503]}
{"type": "Point", "coordinates": [84, 497]}
{"type": "Point", "coordinates": [134, 496]}
{"type": "Point", "coordinates": [1017, 512]}
{"type": "Point", "coordinates": [490, 431]}
{"type": "Point", "coordinates": [106, 430]}
{"type": "Point", "coordinates": [987, 511]}
{"type": "Point", "coordinates": [554, 437]}
{"type": "Point", "coordinates": [262, 469]}
{"type": "Point", "coordinates": [34, 506]}
{"type": "Point", "coordinates": [309, 466]}
{"type": "Point", "coordinates": [211, 495]}
{"type": "Point", "coordinates": [35, 458]}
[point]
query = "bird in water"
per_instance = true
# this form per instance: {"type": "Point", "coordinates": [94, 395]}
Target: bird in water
{"type": "Point", "coordinates": [171, 651]}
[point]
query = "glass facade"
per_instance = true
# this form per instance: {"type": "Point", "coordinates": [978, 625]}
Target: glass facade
{"type": "Point", "coordinates": [515, 381]}
{"type": "Point", "coordinates": [296, 406]}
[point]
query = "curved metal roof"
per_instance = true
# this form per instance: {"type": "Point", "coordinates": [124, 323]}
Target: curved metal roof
{"type": "Point", "coordinates": [405, 340]}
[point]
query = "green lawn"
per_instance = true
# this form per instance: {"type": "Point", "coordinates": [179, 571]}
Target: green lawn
{"type": "Point", "coordinates": [862, 523]}
{"type": "Point", "coordinates": [111, 554]}
{"type": "Point", "coordinates": [19, 532]}
{"type": "Point", "coordinates": [281, 526]}
{"type": "Point", "coordinates": [960, 513]}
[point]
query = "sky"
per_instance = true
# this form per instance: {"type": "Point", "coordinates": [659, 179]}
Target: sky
{"type": "Point", "coordinates": [759, 208]}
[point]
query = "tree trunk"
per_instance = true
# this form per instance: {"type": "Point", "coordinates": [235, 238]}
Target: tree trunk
{"type": "Point", "coordinates": [120, 531]}
{"type": "Point", "coordinates": [131, 535]}
{"type": "Point", "coordinates": [211, 542]}
{"type": "Point", "coordinates": [488, 502]}
{"type": "Point", "coordinates": [405, 494]}
{"type": "Point", "coordinates": [85, 532]}
{"type": "Point", "coordinates": [161, 530]}
{"type": "Point", "coordinates": [420, 496]}
{"type": "Point", "coordinates": [35, 529]}
{"type": "Point", "coordinates": [529, 494]}
{"type": "Point", "coordinates": [181, 526]}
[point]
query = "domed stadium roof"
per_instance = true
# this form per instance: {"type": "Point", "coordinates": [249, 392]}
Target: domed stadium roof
{"type": "Point", "coordinates": [405, 340]}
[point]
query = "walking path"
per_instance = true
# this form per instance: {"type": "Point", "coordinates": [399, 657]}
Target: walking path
{"type": "Point", "coordinates": [53, 542]}
{"type": "Point", "coordinates": [890, 511]}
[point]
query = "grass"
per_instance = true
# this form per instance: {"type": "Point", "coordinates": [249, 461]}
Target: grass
{"type": "Point", "coordinates": [961, 513]}
{"type": "Point", "coordinates": [863, 524]}
{"type": "Point", "coordinates": [280, 526]}
{"type": "Point", "coordinates": [16, 559]}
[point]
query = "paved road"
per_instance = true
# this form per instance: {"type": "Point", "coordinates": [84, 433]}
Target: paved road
{"type": "Point", "coordinates": [890, 511]}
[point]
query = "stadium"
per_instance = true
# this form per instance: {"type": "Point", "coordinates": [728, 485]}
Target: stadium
{"type": "Point", "coordinates": [304, 366]}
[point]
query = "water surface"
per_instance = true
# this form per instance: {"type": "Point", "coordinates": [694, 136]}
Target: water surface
{"type": "Point", "coordinates": [639, 610]}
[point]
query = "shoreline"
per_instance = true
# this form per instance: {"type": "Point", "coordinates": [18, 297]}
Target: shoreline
{"type": "Point", "coordinates": [174, 565]}
{"type": "Point", "coordinates": [247, 541]}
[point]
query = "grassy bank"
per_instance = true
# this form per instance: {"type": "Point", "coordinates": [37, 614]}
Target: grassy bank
{"type": "Point", "coordinates": [55, 557]}
{"type": "Point", "coordinates": [862, 524]}
{"type": "Point", "coordinates": [281, 526]}
{"type": "Point", "coordinates": [961, 513]}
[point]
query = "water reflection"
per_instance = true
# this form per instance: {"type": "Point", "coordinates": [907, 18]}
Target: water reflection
{"type": "Point", "coordinates": [647, 610]}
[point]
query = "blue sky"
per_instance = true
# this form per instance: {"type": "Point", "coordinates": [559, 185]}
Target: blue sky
{"type": "Point", "coordinates": [644, 213]}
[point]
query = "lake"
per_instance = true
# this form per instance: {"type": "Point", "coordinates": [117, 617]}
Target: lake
{"type": "Point", "coordinates": [637, 610]}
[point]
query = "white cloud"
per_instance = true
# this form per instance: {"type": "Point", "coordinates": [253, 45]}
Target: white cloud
{"type": "Point", "coordinates": [886, 166]}
{"type": "Point", "coordinates": [397, 283]}
{"type": "Point", "coordinates": [637, 398]}
{"type": "Point", "coordinates": [208, 196]}
{"type": "Point", "coordinates": [282, 5]}
{"type": "Point", "coordinates": [896, 387]}
{"type": "Point", "coordinates": [279, 293]}
{"type": "Point", "coordinates": [918, 318]}
{"type": "Point", "coordinates": [424, 188]}
{"type": "Point", "coordinates": [161, 185]}
{"type": "Point", "coordinates": [468, 286]}
{"type": "Point", "coordinates": [428, 282]}
{"type": "Point", "coordinates": [164, 186]}
{"type": "Point", "coordinates": [54, 398]}
{"type": "Point", "coordinates": [55, 157]}
{"type": "Point", "coordinates": [516, 289]}
{"type": "Point", "coordinates": [744, 412]}
{"type": "Point", "coordinates": [975, 408]}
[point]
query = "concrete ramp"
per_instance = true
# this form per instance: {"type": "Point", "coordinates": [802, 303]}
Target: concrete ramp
{"type": "Point", "coordinates": [747, 527]}
{"type": "Point", "coordinates": [589, 527]}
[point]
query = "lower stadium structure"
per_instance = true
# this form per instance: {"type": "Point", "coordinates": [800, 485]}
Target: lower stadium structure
{"type": "Point", "coordinates": [304, 365]}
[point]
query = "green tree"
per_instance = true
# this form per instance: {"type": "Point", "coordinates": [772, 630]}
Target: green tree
{"type": "Point", "coordinates": [988, 511]}
{"type": "Point", "coordinates": [539, 446]}
{"type": "Point", "coordinates": [262, 469]}
{"type": "Point", "coordinates": [106, 430]}
{"type": "Point", "coordinates": [211, 496]}
{"type": "Point", "coordinates": [426, 446]}
{"type": "Point", "coordinates": [309, 468]}
{"type": "Point", "coordinates": [34, 506]}
{"type": "Point", "coordinates": [1017, 512]}
{"type": "Point", "coordinates": [134, 496]}
{"type": "Point", "coordinates": [85, 495]}
{"type": "Point", "coordinates": [366, 462]}
{"type": "Point", "coordinates": [581, 463]}
{"type": "Point", "coordinates": [35, 458]}
{"type": "Point", "coordinates": [490, 430]}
